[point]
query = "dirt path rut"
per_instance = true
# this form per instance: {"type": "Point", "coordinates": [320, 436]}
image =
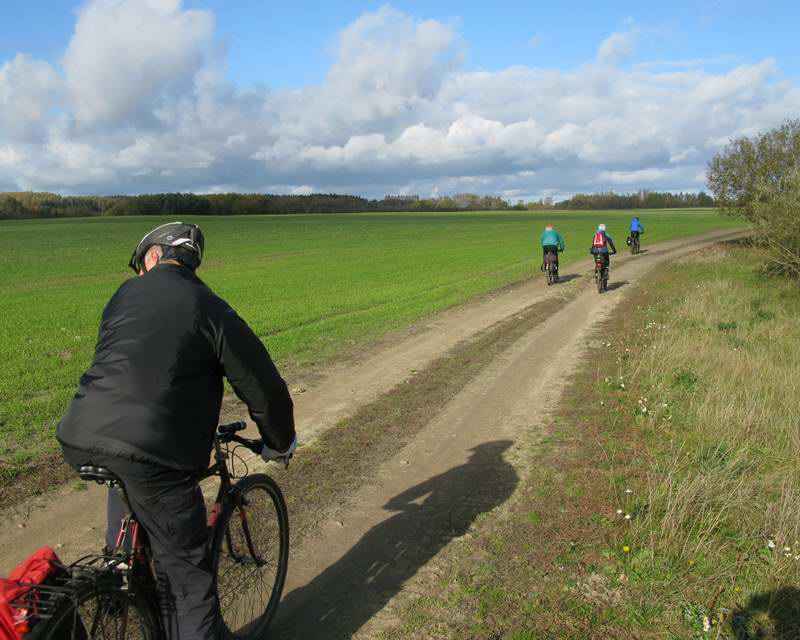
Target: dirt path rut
{"type": "Point", "coordinates": [424, 500]}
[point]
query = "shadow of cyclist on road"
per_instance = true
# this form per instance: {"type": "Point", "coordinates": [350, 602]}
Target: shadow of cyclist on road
{"type": "Point", "coordinates": [348, 593]}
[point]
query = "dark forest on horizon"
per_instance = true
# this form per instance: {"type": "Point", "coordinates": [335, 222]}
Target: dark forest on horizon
{"type": "Point", "coordinates": [31, 204]}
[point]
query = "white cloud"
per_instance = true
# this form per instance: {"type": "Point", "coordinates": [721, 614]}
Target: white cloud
{"type": "Point", "coordinates": [149, 109]}
{"type": "Point", "coordinates": [28, 90]}
{"type": "Point", "coordinates": [688, 63]}
{"type": "Point", "coordinates": [617, 48]}
{"type": "Point", "coordinates": [124, 53]}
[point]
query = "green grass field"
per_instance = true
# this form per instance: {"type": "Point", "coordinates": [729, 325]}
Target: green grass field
{"type": "Point", "coordinates": [310, 285]}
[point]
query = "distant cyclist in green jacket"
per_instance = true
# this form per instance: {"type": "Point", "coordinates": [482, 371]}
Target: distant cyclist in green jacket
{"type": "Point", "coordinates": [551, 241]}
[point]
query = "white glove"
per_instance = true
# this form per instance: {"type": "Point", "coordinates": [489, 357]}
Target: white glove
{"type": "Point", "coordinates": [271, 454]}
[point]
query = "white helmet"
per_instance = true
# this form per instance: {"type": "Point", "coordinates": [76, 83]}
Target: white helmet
{"type": "Point", "coordinates": [601, 227]}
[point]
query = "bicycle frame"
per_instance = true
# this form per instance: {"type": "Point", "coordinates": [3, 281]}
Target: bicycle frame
{"type": "Point", "coordinates": [227, 488]}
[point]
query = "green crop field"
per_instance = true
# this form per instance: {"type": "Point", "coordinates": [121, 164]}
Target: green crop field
{"type": "Point", "coordinates": [310, 285]}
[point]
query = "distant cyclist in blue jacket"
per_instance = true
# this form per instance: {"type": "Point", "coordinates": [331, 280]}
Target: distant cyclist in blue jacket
{"type": "Point", "coordinates": [551, 240]}
{"type": "Point", "coordinates": [636, 227]}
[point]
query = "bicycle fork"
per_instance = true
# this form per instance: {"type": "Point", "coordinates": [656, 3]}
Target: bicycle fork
{"type": "Point", "coordinates": [240, 503]}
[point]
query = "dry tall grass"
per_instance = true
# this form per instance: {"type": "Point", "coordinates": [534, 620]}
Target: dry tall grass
{"type": "Point", "coordinates": [721, 413]}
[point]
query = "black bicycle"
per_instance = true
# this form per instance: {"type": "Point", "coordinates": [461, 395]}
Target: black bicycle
{"type": "Point", "coordinates": [551, 267]}
{"type": "Point", "coordinates": [600, 272]}
{"type": "Point", "coordinates": [635, 243]}
{"type": "Point", "coordinates": [116, 596]}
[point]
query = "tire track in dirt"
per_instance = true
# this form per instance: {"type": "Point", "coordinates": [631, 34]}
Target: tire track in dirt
{"type": "Point", "coordinates": [74, 520]}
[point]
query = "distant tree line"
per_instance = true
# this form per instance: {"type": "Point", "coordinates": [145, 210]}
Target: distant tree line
{"type": "Point", "coordinates": [29, 204]}
{"type": "Point", "coordinates": [641, 200]}
{"type": "Point", "coordinates": [758, 178]}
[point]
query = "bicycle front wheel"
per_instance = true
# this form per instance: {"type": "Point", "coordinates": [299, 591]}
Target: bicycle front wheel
{"type": "Point", "coordinates": [251, 554]}
{"type": "Point", "coordinates": [97, 612]}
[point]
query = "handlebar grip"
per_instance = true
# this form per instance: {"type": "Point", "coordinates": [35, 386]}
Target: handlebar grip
{"type": "Point", "coordinates": [232, 427]}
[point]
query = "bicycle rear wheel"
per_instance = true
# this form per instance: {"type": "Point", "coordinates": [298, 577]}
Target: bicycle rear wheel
{"type": "Point", "coordinates": [251, 555]}
{"type": "Point", "coordinates": [101, 612]}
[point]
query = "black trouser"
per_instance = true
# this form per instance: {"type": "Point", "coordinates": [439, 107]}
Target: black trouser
{"type": "Point", "coordinates": [169, 505]}
{"type": "Point", "coordinates": [606, 259]}
{"type": "Point", "coordinates": [634, 234]}
{"type": "Point", "coordinates": [549, 248]}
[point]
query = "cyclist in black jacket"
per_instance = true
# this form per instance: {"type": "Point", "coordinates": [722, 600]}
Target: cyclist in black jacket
{"type": "Point", "coordinates": [148, 406]}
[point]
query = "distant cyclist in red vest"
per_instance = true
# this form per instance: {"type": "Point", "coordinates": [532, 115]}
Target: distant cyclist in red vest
{"type": "Point", "coordinates": [601, 242]}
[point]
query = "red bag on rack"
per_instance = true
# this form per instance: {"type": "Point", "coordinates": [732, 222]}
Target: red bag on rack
{"type": "Point", "coordinates": [34, 570]}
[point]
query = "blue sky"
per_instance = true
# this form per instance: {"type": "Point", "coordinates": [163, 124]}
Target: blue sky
{"type": "Point", "coordinates": [288, 44]}
{"type": "Point", "coordinates": [519, 98]}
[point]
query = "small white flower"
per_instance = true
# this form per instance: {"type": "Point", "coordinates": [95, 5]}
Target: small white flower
{"type": "Point", "coordinates": [619, 512]}
{"type": "Point", "coordinates": [664, 405]}
{"type": "Point", "coordinates": [706, 624]}
{"type": "Point", "coordinates": [644, 409]}
{"type": "Point", "coordinates": [628, 491]}
{"type": "Point", "coordinates": [787, 548]}
{"type": "Point", "coordinates": [771, 544]}
{"type": "Point", "coordinates": [627, 516]}
{"type": "Point", "coordinates": [622, 385]}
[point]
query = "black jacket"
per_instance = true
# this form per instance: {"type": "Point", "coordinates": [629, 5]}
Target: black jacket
{"type": "Point", "coordinates": [154, 390]}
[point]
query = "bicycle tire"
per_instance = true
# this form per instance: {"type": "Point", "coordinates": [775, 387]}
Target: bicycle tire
{"type": "Point", "coordinates": [237, 573]}
{"type": "Point", "coordinates": [598, 276]}
{"type": "Point", "coordinates": [94, 612]}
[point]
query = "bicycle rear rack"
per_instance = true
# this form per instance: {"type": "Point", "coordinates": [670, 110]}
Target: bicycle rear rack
{"type": "Point", "coordinates": [39, 602]}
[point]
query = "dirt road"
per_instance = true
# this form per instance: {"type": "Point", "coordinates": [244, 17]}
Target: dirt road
{"type": "Point", "coordinates": [462, 464]}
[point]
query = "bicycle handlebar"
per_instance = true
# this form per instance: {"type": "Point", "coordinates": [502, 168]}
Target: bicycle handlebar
{"type": "Point", "coordinates": [227, 433]}
{"type": "Point", "coordinates": [256, 446]}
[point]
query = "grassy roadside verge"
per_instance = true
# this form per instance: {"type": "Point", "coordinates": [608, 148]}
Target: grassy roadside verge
{"type": "Point", "coordinates": [663, 502]}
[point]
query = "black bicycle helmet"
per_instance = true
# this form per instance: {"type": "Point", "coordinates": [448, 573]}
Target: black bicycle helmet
{"type": "Point", "coordinates": [172, 234]}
